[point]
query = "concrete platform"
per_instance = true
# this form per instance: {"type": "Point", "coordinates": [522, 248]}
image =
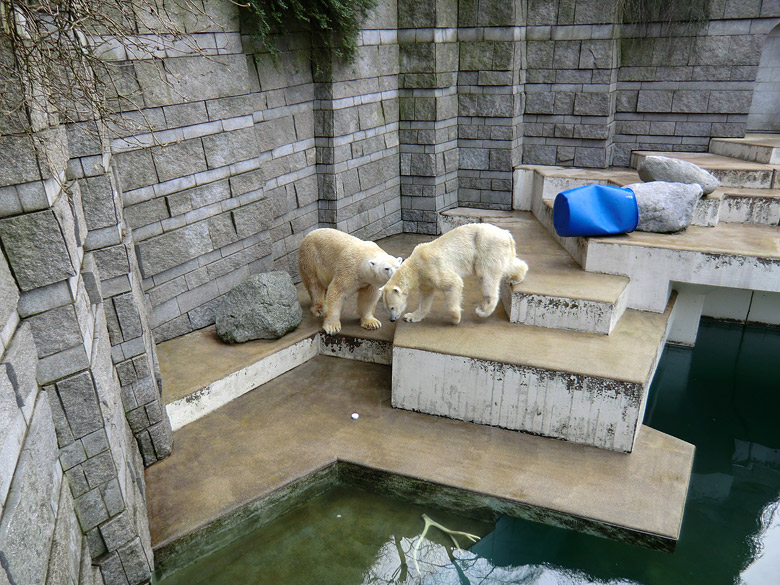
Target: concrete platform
{"type": "Point", "coordinates": [729, 255]}
{"type": "Point", "coordinates": [233, 370]}
{"type": "Point", "coordinates": [581, 387]}
{"type": "Point", "coordinates": [260, 452]}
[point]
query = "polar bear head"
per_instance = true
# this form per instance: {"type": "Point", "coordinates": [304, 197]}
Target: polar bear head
{"type": "Point", "coordinates": [381, 267]}
{"type": "Point", "coordinates": [395, 298]}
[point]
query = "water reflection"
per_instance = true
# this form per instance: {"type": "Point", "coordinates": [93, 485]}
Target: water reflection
{"type": "Point", "coordinates": [439, 565]}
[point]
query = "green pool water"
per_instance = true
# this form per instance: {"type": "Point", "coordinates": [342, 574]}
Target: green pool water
{"type": "Point", "coordinates": [723, 396]}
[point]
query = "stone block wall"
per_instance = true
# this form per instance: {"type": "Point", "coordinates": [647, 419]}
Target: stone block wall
{"type": "Point", "coordinates": [72, 503]}
{"type": "Point", "coordinates": [428, 60]}
{"type": "Point", "coordinates": [356, 121]}
{"type": "Point", "coordinates": [680, 85]}
{"type": "Point", "coordinates": [491, 92]}
{"type": "Point", "coordinates": [571, 79]}
{"type": "Point", "coordinates": [237, 155]}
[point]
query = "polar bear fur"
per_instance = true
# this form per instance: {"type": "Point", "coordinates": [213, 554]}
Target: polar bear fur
{"type": "Point", "coordinates": [334, 265]}
{"type": "Point", "coordinates": [476, 249]}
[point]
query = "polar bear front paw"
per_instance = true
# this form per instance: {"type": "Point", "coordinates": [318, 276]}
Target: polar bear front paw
{"type": "Point", "coordinates": [370, 323]}
{"type": "Point", "coordinates": [332, 327]}
{"type": "Point", "coordinates": [316, 310]}
{"type": "Point", "coordinates": [413, 318]}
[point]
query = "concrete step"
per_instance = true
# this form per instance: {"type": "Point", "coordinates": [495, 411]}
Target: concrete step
{"type": "Point", "coordinates": [760, 148]}
{"type": "Point", "coordinates": [258, 456]}
{"type": "Point", "coordinates": [732, 172]}
{"type": "Point", "coordinates": [556, 293]}
{"type": "Point", "coordinates": [730, 255]}
{"type": "Point", "coordinates": [547, 181]}
{"type": "Point", "coordinates": [757, 206]}
{"type": "Point", "coordinates": [225, 372]}
{"type": "Point", "coordinates": [580, 387]}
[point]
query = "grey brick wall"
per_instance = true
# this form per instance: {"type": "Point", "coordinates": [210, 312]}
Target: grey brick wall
{"type": "Point", "coordinates": [491, 87]}
{"type": "Point", "coordinates": [444, 99]}
{"type": "Point", "coordinates": [72, 508]}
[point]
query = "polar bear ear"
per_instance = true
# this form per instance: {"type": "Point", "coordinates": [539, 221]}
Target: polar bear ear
{"type": "Point", "coordinates": [372, 263]}
{"type": "Point", "coordinates": [381, 289]}
{"type": "Point", "coordinates": [399, 260]}
{"type": "Point", "coordinates": [396, 290]}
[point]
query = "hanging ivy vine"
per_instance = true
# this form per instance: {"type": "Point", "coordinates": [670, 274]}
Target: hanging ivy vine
{"type": "Point", "coordinates": [334, 25]}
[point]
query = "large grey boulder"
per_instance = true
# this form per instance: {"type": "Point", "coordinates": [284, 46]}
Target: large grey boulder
{"type": "Point", "coordinates": [673, 170]}
{"type": "Point", "coordinates": [665, 207]}
{"type": "Point", "coordinates": [265, 306]}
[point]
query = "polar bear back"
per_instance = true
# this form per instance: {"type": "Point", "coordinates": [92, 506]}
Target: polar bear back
{"type": "Point", "coordinates": [329, 252]}
{"type": "Point", "coordinates": [462, 247]}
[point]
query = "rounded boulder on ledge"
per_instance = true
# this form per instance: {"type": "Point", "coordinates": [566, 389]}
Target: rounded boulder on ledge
{"type": "Point", "coordinates": [674, 170]}
{"type": "Point", "coordinates": [265, 306]}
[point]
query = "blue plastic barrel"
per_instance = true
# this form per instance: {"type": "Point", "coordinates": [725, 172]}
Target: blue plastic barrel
{"type": "Point", "coordinates": [595, 210]}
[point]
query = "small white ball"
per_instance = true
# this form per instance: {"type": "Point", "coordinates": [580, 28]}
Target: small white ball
{"type": "Point", "coordinates": [355, 416]}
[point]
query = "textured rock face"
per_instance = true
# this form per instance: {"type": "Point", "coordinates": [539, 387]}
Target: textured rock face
{"type": "Point", "coordinates": [665, 207]}
{"type": "Point", "coordinates": [663, 168]}
{"type": "Point", "coordinates": [263, 307]}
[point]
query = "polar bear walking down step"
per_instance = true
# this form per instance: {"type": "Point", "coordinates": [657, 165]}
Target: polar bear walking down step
{"type": "Point", "coordinates": [476, 249]}
{"type": "Point", "coordinates": [334, 265]}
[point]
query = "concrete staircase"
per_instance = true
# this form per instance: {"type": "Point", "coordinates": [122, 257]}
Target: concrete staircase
{"type": "Point", "coordinates": [546, 371]}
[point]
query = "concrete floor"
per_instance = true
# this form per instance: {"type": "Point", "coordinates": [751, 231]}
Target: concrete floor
{"type": "Point", "coordinates": [300, 422]}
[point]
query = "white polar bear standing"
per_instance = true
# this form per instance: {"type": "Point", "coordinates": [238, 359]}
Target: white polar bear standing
{"type": "Point", "coordinates": [476, 249]}
{"type": "Point", "coordinates": [333, 265]}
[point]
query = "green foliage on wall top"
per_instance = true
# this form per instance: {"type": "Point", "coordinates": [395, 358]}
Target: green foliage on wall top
{"type": "Point", "coordinates": [333, 24]}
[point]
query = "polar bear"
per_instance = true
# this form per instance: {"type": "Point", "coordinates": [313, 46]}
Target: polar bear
{"type": "Point", "coordinates": [333, 265]}
{"type": "Point", "coordinates": [476, 249]}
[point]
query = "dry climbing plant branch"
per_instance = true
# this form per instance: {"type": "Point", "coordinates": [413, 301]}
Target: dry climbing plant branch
{"type": "Point", "coordinates": [65, 61]}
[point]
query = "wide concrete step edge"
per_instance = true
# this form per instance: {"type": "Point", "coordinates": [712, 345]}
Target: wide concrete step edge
{"type": "Point", "coordinates": [751, 206]}
{"type": "Point", "coordinates": [736, 173]}
{"type": "Point", "coordinates": [556, 312]}
{"type": "Point", "coordinates": [575, 407]}
{"type": "Point", "coordinates": [202, 401]}
{"type": "Point", "coordinates": [745, 149]}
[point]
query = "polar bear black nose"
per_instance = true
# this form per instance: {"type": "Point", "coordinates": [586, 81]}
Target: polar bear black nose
{"type": "Point", "coordinates": [393, 319]}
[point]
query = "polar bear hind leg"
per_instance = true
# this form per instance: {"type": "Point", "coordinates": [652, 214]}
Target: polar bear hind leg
{"type": "Point", "coordinates": [490, 266]}
{"type": "Point", "coordinates": [489, 284]}
{"type": "Point", "coordinates": [516, 273]}
{"type": "Point", "coordinates": [313, 287]}
{"type": "Point", "coordinates": [368, 296]}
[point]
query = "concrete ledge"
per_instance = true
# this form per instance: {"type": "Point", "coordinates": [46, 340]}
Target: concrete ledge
{"type": "Point", "coordinates": [730, 171]}
{"type": "Point", "coordinates": [563, 312]}
{"type": "Point", "coordinates": [758, 206]}
{"type": "Point", "coordinates": [205, 400]}
{"type": "Point", "coordinates": [760, 148]}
